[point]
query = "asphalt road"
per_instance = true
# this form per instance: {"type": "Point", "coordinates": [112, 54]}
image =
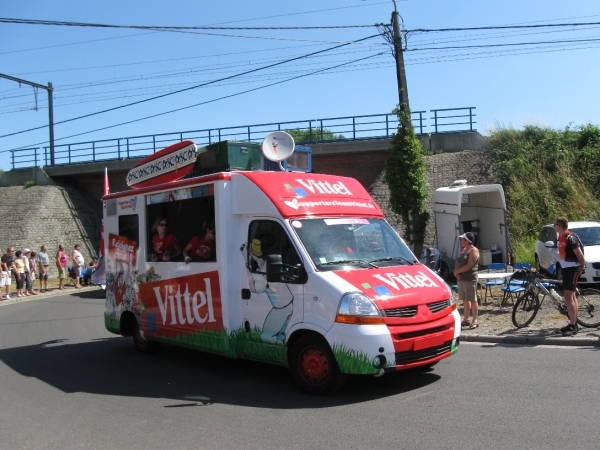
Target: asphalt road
{"type": "Point", "coordinates": [65, 382]}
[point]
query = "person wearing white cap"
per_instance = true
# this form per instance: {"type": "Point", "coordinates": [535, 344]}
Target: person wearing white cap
{"type": "Point", "coordinates": [466, 275]}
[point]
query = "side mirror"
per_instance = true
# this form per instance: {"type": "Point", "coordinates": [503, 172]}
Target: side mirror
{"type": "Point", "coordinates": [274, 266]}
{"type": "Point", "coordinates": [550, 244]}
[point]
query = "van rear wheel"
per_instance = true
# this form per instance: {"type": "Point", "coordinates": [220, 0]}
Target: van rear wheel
{"type": "Point", "coordinates": [314, 367]}
{"type": "Point", "coordinates": [141, 344]}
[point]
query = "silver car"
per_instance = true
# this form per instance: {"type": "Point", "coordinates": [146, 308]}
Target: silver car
{"type": "Point", "coordinates": [546, 250]}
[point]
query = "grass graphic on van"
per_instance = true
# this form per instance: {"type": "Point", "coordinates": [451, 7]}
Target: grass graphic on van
{"type": "Point", "coordinates": [237, 343]}
{"type": "Point", "coordinates": [352, 361]}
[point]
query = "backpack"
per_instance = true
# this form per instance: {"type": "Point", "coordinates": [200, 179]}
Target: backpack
{"type": "Point", "coordinates": [570, 255]}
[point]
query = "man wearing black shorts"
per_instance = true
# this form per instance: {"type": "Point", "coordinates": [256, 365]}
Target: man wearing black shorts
{"type": "Point", "coordinates": [573, 265]}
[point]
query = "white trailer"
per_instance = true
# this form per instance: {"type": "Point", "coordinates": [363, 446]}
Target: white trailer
{"type": "Point", "coordinates": [479, 209]}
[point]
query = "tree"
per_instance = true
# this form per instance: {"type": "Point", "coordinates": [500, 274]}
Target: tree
{"type": "Point", "coordinates": [304, 135]}
{"type": "Point", "coordinates": [405, 177]}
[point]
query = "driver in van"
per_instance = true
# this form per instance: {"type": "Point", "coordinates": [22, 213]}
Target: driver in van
{"type": "Point", "coordinates": [165, 244]}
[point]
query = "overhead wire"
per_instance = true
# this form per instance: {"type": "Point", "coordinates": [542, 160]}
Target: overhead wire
{"type": "Point", "coordinates": [192, 87]}
{"type": "Point", "coordinates": [201, 103]}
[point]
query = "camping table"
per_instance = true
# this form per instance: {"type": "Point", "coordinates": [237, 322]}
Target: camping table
{"type": "Point", "coordinates": [493, 276]}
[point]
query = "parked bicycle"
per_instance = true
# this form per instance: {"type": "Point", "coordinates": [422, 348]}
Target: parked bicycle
{"type": "Point", "coordinates": [527, 305]}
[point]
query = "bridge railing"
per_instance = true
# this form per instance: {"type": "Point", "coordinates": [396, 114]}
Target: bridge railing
{"type": "Point", "coordinates": [337, 129]}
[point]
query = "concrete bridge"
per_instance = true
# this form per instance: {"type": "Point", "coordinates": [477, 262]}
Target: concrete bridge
{"type": "Point", "coordinates": [64, 204]}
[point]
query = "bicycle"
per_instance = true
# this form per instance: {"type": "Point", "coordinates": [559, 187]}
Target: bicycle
{"type": "Point", "coordinates": [527, 305]}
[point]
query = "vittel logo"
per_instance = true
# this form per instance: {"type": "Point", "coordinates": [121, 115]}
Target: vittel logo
{"type": "Point", "coordinates": [185, 308]}
{"type": "Point", "coordinates": [405, 281]}
{"type": "Point", "coordinates": [324, 187]}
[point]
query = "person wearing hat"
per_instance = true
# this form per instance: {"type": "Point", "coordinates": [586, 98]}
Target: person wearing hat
{"type": "Point", "coordinates": [77, 259]}
{"type": "Point", "coordinates": [465, 272]}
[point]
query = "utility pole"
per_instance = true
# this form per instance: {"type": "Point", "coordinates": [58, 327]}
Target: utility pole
{"type": "Point", "coordinates": [400, 72]}
{"type": "Point", "coordinates": [50, 108]}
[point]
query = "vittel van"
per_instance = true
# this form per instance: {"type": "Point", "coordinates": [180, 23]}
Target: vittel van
{"type": "Point", "coordinates": [305, 273]}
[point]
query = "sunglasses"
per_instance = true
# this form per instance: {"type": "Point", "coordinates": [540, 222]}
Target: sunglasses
{"type": "Point", "coordinates": [163, 224]}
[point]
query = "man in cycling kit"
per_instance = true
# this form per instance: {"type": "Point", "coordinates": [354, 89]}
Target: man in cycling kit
{"type": "Point", "coordinates": [573, 265]}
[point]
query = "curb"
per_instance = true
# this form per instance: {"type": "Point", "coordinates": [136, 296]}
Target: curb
{"type": "Point", "coordinates": [42, 295]}
{"type": "Point", "coordinates": [532, 340]}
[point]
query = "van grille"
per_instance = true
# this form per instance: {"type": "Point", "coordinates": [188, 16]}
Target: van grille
{"type": "Point", "coordinates": [438, 306]}
{"type": "Point", "coordinates": [407, 311]}
{"type": "Point", "coordinates": [422, 355]}
{"type": "Point", "coordinates": [596, 265]}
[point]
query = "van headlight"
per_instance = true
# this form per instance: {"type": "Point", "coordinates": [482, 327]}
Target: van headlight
{"type": "Point", "coordinates": [357, 308]}
{"type": "Point", "coordinates": [451, 298]}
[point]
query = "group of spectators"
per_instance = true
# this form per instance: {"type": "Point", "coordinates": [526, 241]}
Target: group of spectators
{"type": "Point", "coordinates": [26, 265]}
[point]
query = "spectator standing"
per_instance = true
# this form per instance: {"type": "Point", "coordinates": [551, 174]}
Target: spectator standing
{"type": "Point", "coordinates": [8, 267]}
{"type": "Point", "coordinates": [19, 266]}
{"type": "Point", "coordinates": [573, 265]}
{"type": "Point", "coordinates": [44, 267]}
{"type": "Point", "coordinates": [25, 254]}
{"type": "Point", "coordinates": [77, 259]}
{"type": "Point", "coordinates": [61, 264]}
{"type": "Point", "coordinates": [32, 269]}
{"type": "Point", "coordinates": [466, 274]}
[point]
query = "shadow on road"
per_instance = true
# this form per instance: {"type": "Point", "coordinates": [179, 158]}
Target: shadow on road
{"type": "Point", "coordinates": [182, 377]}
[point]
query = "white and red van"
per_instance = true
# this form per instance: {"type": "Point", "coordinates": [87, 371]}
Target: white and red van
{"type": "Point", "coordinates": [299, 269]}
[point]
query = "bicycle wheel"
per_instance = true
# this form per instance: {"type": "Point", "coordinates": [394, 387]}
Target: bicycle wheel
{"type": "Point", "coordinates": [588, 314]}
{"type": "Point", "coordinates": [525, 309]}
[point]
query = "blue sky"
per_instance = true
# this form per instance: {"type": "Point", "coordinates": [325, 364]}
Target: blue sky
{"type": "Point", "coordinates": [92, 69]}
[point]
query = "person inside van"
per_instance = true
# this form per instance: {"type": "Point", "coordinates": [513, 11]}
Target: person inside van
{"type": "Point", "coordinates": [202, 247]}
{"type": "Point", "coordinates": [164, 244]}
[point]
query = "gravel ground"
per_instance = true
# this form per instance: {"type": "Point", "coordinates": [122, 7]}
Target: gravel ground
{"type": "Point", "coordinates": [496, 321]}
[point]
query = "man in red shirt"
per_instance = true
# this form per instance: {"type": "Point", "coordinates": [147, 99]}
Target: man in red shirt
{"type": "Point", "coordinates": [573, 265]}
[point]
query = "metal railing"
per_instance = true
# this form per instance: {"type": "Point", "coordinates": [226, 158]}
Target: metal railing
{"type": "Point", "coordinates": [338, 129]}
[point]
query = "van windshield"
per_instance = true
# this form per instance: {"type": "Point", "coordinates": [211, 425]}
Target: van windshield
{"type": "Point", "coordinates": [352, 242]}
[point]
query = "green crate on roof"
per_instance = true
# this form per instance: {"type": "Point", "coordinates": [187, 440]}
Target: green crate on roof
{"type": "Point", "coordinates": [228, 155]}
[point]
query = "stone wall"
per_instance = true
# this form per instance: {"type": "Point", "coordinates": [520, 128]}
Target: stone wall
{"type": "Point", "coordinates": [442, 169]}
{"type": "Point", "coordinates": [50, 215]}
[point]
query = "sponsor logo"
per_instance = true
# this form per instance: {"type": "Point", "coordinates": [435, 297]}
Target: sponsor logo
{"type": "Point", "coordinates": [121, 249]}
{"type": "Point", "coordinates": [324, 187]}
{"type": "Point", "coordinates": [168, 163]}
{"type": "Point", "coordinates": [128, 204]}
{"type": "Point", "coordinates": [400, 281]}
{"type": "Point", "coordinates": [184, 303]}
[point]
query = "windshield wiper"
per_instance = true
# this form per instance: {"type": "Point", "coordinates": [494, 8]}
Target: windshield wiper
{"type": "Point", "coordinates": [348, 261]}
{"type": "Point", "coordinates": [394, 258]}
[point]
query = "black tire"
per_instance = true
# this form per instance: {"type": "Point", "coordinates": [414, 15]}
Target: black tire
{"type": "Point", "coordinates": [525, 309]}
{"type": "Point", "coordinates": [588, 314]}
{"type": "Point", "coordinates": [446, 274]}
{"type": "Point", "coordinates": [314, 367]}
{"type": "Point", "coordinates": [141, 344]}
{"type": "Point", "coordinates": [558, 272]}
{"type": "Point", "coordinates": [538, 267]}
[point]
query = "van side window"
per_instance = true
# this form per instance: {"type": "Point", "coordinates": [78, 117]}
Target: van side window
{"type": "Point", "coordinates": [267, 237]}
{"type": "Point", "coordinates": [177, 224]}
{"type": "Point", "coordinates": [129, 227]}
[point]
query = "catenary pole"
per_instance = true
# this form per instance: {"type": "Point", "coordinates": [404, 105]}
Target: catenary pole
{"type": "Point", "coordinates": [400, 71]}
{"type": "Point", "coordinates": [50, 108]}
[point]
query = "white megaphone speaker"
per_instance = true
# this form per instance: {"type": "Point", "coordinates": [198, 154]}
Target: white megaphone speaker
{"type": "Point", "coordinates": [278, 146]}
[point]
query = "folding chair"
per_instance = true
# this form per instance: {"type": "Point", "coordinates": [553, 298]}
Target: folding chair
{"type": "Point", "coordinates": [511, 288]}
{"type": "Point", "coordinates": [520, 266]}
{"type": "Point", "coordinates": [489, 284]}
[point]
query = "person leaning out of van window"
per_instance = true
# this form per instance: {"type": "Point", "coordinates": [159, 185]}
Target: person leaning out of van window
{"type": "Point", "coordinates": [466, 274]}
{"type": "Point", "coordinates": [164, 244]}
{"type": "Point", "coordinates": [202, 247]}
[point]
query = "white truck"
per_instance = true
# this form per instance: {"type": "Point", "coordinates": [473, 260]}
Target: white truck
{"type": "Point", "coordinates": [480, 209]}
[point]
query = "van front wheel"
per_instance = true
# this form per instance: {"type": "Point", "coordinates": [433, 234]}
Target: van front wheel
{"type": "Point", "coordinates": [314, 367]}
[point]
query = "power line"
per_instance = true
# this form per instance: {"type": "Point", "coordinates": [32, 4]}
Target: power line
{"type": "Point", "coordinates": [505, 45]}
{"type": "Point", "coordinates": [205, 102]}
{"type": "Point", "coordinates": [501, 27]}
{"type": "Point", "coordinates": [194, 87]}
{"type": "Point", "coordinates": [172, 28]}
